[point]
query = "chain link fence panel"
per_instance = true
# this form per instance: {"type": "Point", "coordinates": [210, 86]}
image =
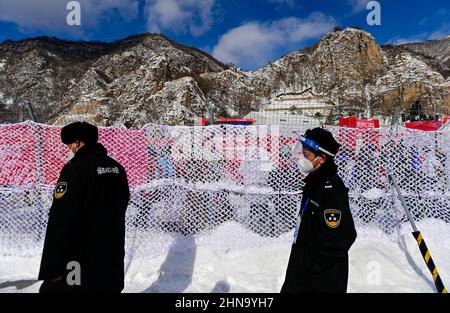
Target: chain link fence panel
{"type": "Point", "coordinates": [191, 180]}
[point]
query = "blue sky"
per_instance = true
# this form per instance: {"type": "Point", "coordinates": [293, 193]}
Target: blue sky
{"type": "Point", "coordinates": [248, 33]}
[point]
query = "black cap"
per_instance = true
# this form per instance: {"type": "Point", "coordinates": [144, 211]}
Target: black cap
{"type": "Point", "coordinates": [324, 139]}
{"type": "Point", "coordinates": [81, 131]}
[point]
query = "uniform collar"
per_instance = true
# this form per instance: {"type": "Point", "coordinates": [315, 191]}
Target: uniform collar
{"type": "Point", "coordinates": [90, 149]}
{"type": "Point", "coordinates": [316, 179]}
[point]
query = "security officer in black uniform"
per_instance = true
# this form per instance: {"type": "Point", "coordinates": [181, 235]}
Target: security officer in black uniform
{"type": "Point", "coordinates": [84, 246]}
{"type": "Point", "coordinates": [325, 230]}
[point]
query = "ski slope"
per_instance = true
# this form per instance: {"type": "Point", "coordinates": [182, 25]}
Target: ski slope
{"type": "Point", "coordinates": [221, 262]}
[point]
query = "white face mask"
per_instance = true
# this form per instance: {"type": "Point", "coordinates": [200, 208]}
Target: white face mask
{"type": "Point", "coordinates": [305, 165]}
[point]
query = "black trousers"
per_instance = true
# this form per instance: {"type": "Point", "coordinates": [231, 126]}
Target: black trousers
{"type": "Point", "coordinates": [59, 287]}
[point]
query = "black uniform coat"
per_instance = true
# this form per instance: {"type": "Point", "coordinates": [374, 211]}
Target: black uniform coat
{"type": "Point", "coordinates": [87, 222]}
{"type": "Point", "coordinates": [319, 256]}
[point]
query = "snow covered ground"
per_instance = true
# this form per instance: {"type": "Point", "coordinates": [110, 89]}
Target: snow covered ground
{"type": "Point", "coordinates": [222, 262]}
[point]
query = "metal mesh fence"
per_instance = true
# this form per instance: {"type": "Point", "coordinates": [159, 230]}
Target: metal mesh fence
{"type": "Point", "coordinates": [190, 180]}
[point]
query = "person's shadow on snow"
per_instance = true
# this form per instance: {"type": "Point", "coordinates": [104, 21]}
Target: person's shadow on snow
{"type": "Point", "coordinates": [411, 260]}
{"type": "Point", "coordinates": [175, 274]}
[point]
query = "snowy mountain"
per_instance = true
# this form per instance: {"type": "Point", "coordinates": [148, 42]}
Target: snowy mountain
{"type": "Point", "coordinates": [435, 53]}
{"type": "Point", "coordinates": [150, 78]}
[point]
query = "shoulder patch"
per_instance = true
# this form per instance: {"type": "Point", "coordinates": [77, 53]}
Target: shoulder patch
{"type": "Point", "coordinates": [60, 190]}
{"type": "Point", "coordinates": [332, 218]}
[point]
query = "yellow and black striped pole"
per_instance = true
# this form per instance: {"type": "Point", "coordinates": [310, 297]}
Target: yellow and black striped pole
{"type": "Point", "coordinates": [421, 242]}
{"type": "Point", "coordinates": [429, 261]}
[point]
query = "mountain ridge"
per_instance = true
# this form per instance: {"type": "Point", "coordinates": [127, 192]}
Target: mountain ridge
{"type": "Point", "coordinates": [149, 78]}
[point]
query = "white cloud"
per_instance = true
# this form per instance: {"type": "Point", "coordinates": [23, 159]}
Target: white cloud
{"type": "Point", "coordinates": [289, 3]}
{"type": "Point", "coordinates": [254, 44]}
{"type": "Point", "coordinates": [358, 5]}
{"type": "Point", "coordinates": [410, 39]}
{"type": "Point", "coordinates": [441, 32]}
{"type": "Point", "coordinates": [180, 16]}
{"type": "Point", "coordinates": [438, 15]}
{"type": "Point", "coordinates": [50, 15]}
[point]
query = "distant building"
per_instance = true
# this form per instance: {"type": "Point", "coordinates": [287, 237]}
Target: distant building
{"type": "Point", "coordinates": [280, 118]}
{"type": "Point", "coordinates": [296, 108]}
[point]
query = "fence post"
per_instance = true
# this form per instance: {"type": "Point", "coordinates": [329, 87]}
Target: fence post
{"type": "Point", "coordinates": [420, 242]}
{"type": "Point", "coordinates": [211, 112]}
{"type": "Point", "coordinates": [31, 112]}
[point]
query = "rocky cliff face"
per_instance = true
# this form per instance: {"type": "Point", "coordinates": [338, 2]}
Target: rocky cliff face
{"type": "Point", "coordinates": [104, 82]}
{"type": "Point", "coordinates": [151, 79]}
